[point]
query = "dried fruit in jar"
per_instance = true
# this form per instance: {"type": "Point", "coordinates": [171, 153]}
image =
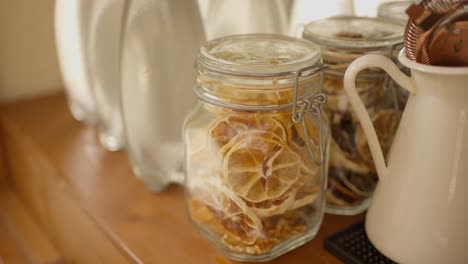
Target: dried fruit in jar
{"type": "Point", "coordinates": [352, 176]}
{"type": "Point", "coordinates": [260, 169]}
{"type": "Point", "coordinates": [264, 178]}
{"type": "Point", "coordinates": [386, 123]}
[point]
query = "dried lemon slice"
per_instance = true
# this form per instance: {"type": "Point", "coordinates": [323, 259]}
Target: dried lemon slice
{"type": "Point", "coordinates": [271, 208]}
{"type": "Point", "coordinates": [269, 123]}
{"type": "Point", "coordinates": [239, 220]}
{"type": "Point", "coordinates": [248, 135]}
{"type": "Point", "coordinates": [220, 198]}
{"type": "Point", "coordinates": [308, 192]}
{"type": "Point", "coordinates": [225, 128]}
{"type": "Point", "coordinates": [308, 165]}
{"type": "Point", "coordinates": [341, 159]}
{"type": "Point", "coordinates": [260, 169]}
{"type": "Point", "coordinates": [386, 124]}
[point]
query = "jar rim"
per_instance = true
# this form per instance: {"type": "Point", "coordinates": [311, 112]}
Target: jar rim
{"type": "Point", "coordinates": [395, 11]}
{"type": "Point", "coordinates": [354, 33]}
{"type": "Point", "coordinates": [258, 55]}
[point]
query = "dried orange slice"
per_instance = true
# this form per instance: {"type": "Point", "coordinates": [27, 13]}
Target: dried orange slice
{"type": "Point", "coordinates": [341, 159]}
{"type": "Point", "coordinates": [271, 208]}
{"type": "Point", "coordinates": [248, 135]}
{"type": "Point", "coordinates": [386, 124]}
{"type": "Point", "coordinates": [221, 198]}
{"type": "Point", "coordinates": [239, 220]}
{"type": "Point", "coordinates": [312, 130]}
{"type": "Point", "coordinates": [260, 169]}
{"type": "Point", "coordinates": [308, 164]}
{"type": "Point", "coordinates": [223, 129]}
{"type": "Point", "coordinates": [268, 123]}
{"type": "Point", "coordinates": [308, 192]}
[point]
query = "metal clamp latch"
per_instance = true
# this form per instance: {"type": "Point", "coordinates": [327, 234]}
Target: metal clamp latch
{"type": "Point", "coordinates": [313, 105]}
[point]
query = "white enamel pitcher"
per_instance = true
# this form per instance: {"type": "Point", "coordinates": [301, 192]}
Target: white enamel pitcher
{"type": "Point", "coordinates": [419, 211]}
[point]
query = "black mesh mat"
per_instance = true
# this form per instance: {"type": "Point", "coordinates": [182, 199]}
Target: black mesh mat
{"type": "Point", "coordinates": [352, 246]}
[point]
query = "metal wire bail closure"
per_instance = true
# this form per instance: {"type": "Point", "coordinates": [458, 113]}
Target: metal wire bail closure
{"type": "Point", "coordinates": [313, 105]}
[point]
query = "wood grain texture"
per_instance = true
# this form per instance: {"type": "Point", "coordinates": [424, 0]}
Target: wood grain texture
{"type": "Point", "coordinates": [147, 227]}
{"type": "Point", "coordinates": [21, 239]}
{"type": "Point", "coordinates": [10, 252]}
{"type": "Point", "coordinates": [55, 204]}
{"type": "Point", "coordinates": [3, 169]}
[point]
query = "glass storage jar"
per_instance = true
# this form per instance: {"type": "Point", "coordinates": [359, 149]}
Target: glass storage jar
{"type": "Point", "coordinates": [395, 11]}
{"type": "Point", "coordinates": [72, 19]}
{"type": "Point", "coordinates": [304, 11]}
{"type": "Point", "coordinates": [232, 17]}
{"type": "Point", "coordinates": [160, 40]}
{"type": "Point", "coordinates": [352, 175]}
{"type": "Point", "coordinates": [104, 47]}
{"type": "Point", "coordinates": [254, 170]}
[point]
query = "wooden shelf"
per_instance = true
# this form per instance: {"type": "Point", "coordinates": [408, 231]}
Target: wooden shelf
{"type": "Point", "coordinates": [94, 208]}
{"type": "Point", "coordinates": [21, 239]}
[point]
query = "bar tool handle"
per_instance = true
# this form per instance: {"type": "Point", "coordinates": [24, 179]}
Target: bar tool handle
{"type": "Point", "coordinates": [362, 63]}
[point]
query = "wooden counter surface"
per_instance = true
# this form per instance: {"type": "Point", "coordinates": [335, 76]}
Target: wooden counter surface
{"type": "Point", "coordinates": [21, 239]}
{"type": "Point", "coordinates": [90, 203]}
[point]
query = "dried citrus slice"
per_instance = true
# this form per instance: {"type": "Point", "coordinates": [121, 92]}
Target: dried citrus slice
{"type": "Point", "coordinates": [312, 130]}
{"type": "Point", "coordinates": [340, 192]}
{"type": "Point", "coordinates": [268, 123]}
{"type": "Point", "coordinates": [341, 159]}
{"type": "Point", "coordinates": [386, 124]}
{"type": "Point", "coordinates": [248, 135]}
{"type": "Point", "coordinates": [234, 228]}
{"type": "Point", "coordinates": [239, 220]}
{"type": "Point", "coordinates": [332, 199]}
{"type": "Point", "coordinates": [361, 185]}
{"type": "Point", "coordinates": [271, 208]}
{"type": "Point", "coordinates": [216, 195]}
{"type": "Point", "coordinates": [223, 129]}
{"type": "Point", "coordinates": [237, 230]}
{"type": "Point", "coordinates": [304, 200]}
{"type": "Point", "coordinates": [259, 169]}
{"type": "Point", "coordinates": [308, 192]}
{"type": "Point", "coordinates": [303, 192]}
{"type": "Point", "coordinates": [308, 165]}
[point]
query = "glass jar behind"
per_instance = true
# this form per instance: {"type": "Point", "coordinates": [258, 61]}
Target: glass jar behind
{"type": "Point", "coordinates": [71, 39]}
{"type": "Point", "coordinates": [352, 176]}
{"type": "Point", "coordinates": [232, 17]}
{"type": "Point", "coordinates": [304, 11]}
{"type": "Point", "coordinates": [255, 172]}
{"type": "Point", "coordinates": [395, 11]}
{"type": "Point", "coordinates": [160, 41]}
{"type": "Point", "coordinates": [104, 48]}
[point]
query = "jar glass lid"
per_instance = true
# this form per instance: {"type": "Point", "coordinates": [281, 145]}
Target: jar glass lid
{"type": "Point", "coordinates": [395, 11]}
{"type": "Point", "coordinates": [258, 55]}
{"type": "Point", "coordinates": [348, 32]}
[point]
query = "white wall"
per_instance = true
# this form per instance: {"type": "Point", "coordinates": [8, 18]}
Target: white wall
{"type": "Point", "coordinates": [28, 63]}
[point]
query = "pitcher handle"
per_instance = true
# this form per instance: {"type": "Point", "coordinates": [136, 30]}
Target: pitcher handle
{"type": "Point", "coordinates": [364, 62]}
